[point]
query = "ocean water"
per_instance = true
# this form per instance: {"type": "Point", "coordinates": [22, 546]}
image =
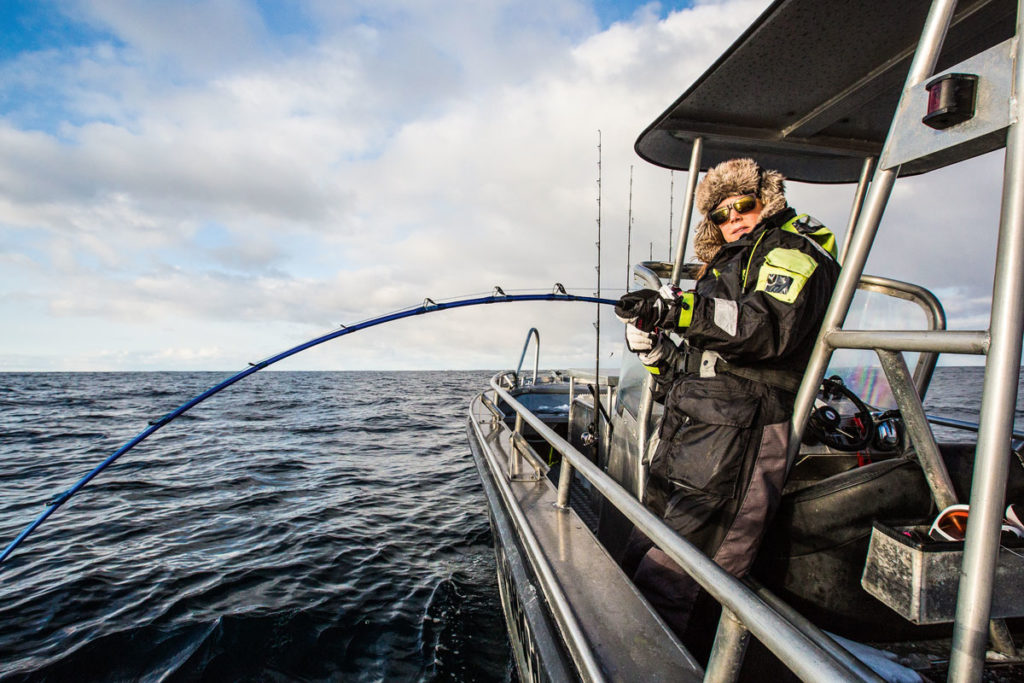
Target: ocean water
{"type": "Point", "coordinates": [298, 526]}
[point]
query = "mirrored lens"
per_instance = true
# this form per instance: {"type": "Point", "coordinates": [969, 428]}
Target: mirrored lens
{"type": "Point", "coordinates": [719, 216]}
{"type": "Point", "coordinates": [953, 524]}
{"type": "Point", "coordinates": [741, 205]}
{"type": "Point", "coordinates": [744, 204]}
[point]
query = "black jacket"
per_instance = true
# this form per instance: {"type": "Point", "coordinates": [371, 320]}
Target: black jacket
{"type": "Point", "coordinates": [759, 306]}
{"type": "Point", "coordinates": [763, 297]}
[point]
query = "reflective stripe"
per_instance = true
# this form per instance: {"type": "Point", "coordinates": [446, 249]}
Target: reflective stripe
{"type": "Point", "coordinates": [653, 369]}
{"type": "Point", "coordinates": [708, 360]}
{"type": "Point", "coordinates": [685, 309]}
{"type": "Point", "coordinates": [818, 235]}
{"type": "Point", "coordinates": [726, 315]}
{"type": "Point", "coordinates": [784, 273]}
{"type": "Point", "coordinates": [750, 258]}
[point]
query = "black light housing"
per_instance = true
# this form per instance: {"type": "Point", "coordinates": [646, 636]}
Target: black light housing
{"type": "Point", "coordinates": [950, 100]}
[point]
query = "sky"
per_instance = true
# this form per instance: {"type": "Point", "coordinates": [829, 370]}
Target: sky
{"type": "Point", "coordinates": [202, 184]}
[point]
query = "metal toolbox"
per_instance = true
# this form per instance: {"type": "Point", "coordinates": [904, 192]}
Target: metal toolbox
{"type": "Point", "coordinates": [918, 577]}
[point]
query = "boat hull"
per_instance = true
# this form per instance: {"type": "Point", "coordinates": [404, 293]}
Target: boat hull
{"type": "Point", "coordinates": [571, 612]}
{"type": "Point", "coordinates": [536, 646]}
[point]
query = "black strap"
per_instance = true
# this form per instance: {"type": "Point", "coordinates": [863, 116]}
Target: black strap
{"type": "Point", "coordinates": [691, 360]}
{"type": "Point", "coordinates": [783, 379]}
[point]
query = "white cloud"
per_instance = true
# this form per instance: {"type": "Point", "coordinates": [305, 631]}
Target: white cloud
{"type": "Point", "coordinates": [215, 186]}
{"type": "Point", "coordinates": [190, 34]}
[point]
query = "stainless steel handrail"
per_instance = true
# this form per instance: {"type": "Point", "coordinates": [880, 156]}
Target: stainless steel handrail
{"type": "Point", "coordinates": [646, 276]}
{"type": "Point", "coordinates": [807, 658]}
{"type": "Point", "coordinates": [963, 424]}
{"type": "Point", "coordinates": [536, 356]}
{"type": "Point", "coordinates": [509, 379]}
{"type": "Point", "coordinates": [493, 409]}
{"type": "Point", "coordinates": [684, 223]}
{"type": "Point", "coordinates": [788, 612]}
{"type": "Point", "coordinates": [522, 447]}
{"type": "Point", "coordinates": [912, 410]}
{"type": "Point", "coordinates": [578, 648]}
{"type": "Point", "coordinates": [949, 341]}
{"type": "Point", "coordinates": [858, 204]}
{"type": "Point", "coordinates": [932, 307]}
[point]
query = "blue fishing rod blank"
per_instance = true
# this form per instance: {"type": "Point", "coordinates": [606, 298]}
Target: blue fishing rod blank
{"type": "Point", "coordinates": [428, 306]}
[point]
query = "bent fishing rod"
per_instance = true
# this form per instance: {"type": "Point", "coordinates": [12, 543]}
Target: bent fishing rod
{"type": "Point", "coordinates": [428, 306]}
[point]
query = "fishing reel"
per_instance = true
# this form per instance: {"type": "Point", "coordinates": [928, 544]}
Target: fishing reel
{"type": "Point", "coordinates": [839, 419]}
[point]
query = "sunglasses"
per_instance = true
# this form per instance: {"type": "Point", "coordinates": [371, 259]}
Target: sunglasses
{"type": "Point", "coordinates": [951, 524]}
{"type": "Point", "coordinates": [741, 205]}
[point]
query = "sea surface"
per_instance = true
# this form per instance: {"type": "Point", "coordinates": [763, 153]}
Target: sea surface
{"type": "Point", "coordinates": [298, 526]}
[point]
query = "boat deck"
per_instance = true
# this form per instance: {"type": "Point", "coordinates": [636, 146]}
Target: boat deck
{"type": "Point", "coordinates": [629, 641]}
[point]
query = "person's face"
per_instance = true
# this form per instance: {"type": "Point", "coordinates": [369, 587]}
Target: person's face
{"type": "Point", "coordinates": [738, 224]}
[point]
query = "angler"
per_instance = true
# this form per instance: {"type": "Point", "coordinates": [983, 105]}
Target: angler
{"type": "Point", "coordinates": [748, 329]}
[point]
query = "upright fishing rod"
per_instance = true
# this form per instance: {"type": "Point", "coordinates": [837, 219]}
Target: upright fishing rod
{"type": "Point", "coordinates": [671, 208]}
{"type": "Point", "coordinates": [428, 306]}
{"type": "Point", "coordinates": [629, 230]}
{"type": "Point", "coordinates": [597, 323]}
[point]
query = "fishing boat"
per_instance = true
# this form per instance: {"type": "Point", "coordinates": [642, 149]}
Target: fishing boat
{"type": "Point", "coordinates": [850, 583]}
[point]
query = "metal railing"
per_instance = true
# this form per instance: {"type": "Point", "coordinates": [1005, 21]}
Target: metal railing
{"type": "Point", "coordinates": [536, 355]}
{"type": "Point", "coordinates": [576, 641]}
{"type": "Point", "coordinates": [809, 653]}
{"type": "Point", "coordinates": [1001, 343]}
{"type": "Point", "coordinates": [520, 448]}
{"type": "Point", "coordinates": [965, 425]}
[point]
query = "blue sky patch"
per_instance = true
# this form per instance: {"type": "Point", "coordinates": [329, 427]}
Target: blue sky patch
{"type": "Point", "coordinates": [611, 11]}
{"type": "Point", "coordinates": [36, 25]}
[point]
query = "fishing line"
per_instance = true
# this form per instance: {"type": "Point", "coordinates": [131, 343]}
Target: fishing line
{"type": "Point", "coordinates": [428, 306]}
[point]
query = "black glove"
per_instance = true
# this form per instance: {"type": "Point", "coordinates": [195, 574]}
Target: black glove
{"type": "Point", "coordinates": [647, 310]}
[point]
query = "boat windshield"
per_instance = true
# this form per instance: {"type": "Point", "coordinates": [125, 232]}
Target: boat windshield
{"type": "Point", "coordinates": [631, 384]}
{"type": "Point", "coordinates": [860, 369]}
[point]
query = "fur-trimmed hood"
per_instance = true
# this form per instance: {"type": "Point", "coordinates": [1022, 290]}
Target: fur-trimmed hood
{"type": "Point", "coordinates": [733, 177]}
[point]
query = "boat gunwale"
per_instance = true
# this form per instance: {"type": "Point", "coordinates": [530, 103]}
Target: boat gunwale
{"type": "Point", "coordinates": [808, 653]}
{"type": "Point", "coordinates": [569, 531]}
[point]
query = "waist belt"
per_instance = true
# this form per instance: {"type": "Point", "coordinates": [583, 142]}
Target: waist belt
{"type": "Point", "coordinates": [695, 362]}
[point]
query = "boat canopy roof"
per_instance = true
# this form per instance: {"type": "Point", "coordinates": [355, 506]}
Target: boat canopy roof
{"type": "Point", "coordinates": [811, 87]}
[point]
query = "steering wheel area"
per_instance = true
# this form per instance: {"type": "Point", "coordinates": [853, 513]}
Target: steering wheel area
{"type": "Point", "coordinates": [840, 420]}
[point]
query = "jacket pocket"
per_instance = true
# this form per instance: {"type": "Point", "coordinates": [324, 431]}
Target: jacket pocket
{"type": "Point", "coordinates": [712, 432]}
{"type": "Point", "coordinates": [784, 273]}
